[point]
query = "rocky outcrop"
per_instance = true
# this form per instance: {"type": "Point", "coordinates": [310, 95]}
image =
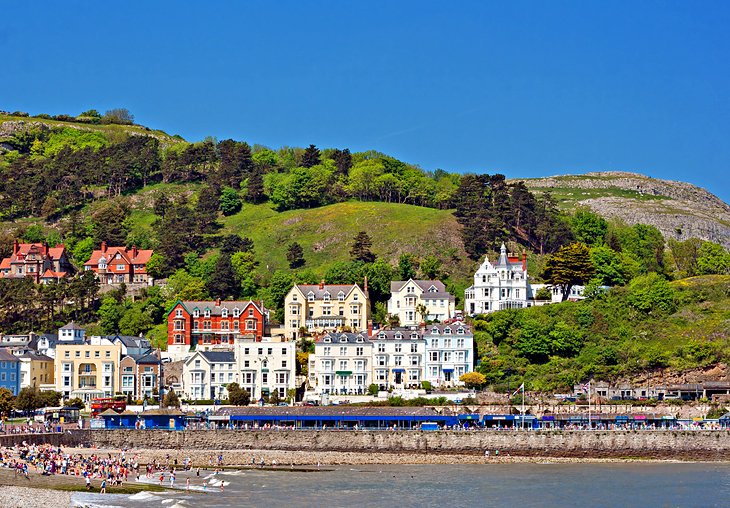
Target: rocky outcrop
{"type": "Point", "coordinates": [678, 209]}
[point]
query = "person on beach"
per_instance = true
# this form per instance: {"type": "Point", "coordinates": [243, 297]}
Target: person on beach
{"type": "Point", "coordinates": [187, 484]}
{"type": "Point", "coordinates": [172, 479]}
{"type": "Point", "coordinates": [162, 478]}
{"type": "Point", "coordinates": [88, 483]}
{"type": "Point", "coordinates": [102, 490]}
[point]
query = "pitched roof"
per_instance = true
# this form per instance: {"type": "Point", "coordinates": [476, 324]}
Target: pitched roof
{"type": "Point", "coordinates": [32, 355]}
{"type": "Point", "coordinates": [320, 290]}
{"type": "Point", "coordinates": [219, 356]}
{"type": "Point", "coordinates": [405, 334]}
{"type": "Point", "coordinates": [345, 337]}
{"type": "Point", "coordinates": [216, 310]}
{"type": "Point", "coordinates": [71, 326]}
{"type": "Point", "coordinates": [146, 358]}
{"type": "Point", "coordinates": [143, 255]}
{"type": "Point", "coordinates": [7, 356]}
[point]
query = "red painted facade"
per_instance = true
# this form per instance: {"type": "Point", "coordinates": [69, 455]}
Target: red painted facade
{"type": "Point", "coordinates": [214, 322]}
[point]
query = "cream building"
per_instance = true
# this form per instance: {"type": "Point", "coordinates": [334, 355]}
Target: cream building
{"type": "Point", "coordinates": [266, 366]}
{"type": "Point", "coordinates": [326, 308]}
{"type": "Point", "coordinates": [87, 370]}
{"type": "Point", "coordinates": [35, 369]}
{"type": "Point", "coordinates": [415, 301]}
{"type": "Point", "coordinates": [398, 359]}
{"type": "Point", "coordinates": [341, 364]}
{"type": "Point", "coordinates": [206, 374]}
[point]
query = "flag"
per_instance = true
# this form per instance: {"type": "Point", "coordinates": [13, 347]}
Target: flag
{"type": "Point", "coordinates": [521, 387]}
{"type": "Point", "coordinates": [586, 387]}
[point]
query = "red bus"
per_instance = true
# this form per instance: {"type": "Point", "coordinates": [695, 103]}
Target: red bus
{"type": "Point", "coordinates": [100, 405]}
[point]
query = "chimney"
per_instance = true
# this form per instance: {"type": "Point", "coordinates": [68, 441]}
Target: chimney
{"type": "Point", "coordinates": [365, 285]}
{"type": "Point", "coordinates": [217, 302]}
{"type": "Point", "coordinates": [103, 246]}
{"type": "Point", "coordinates": [370, 328]}
{"type": "Point", "coordinates": [134, 251]}
{"type": "Point", "coordinates": [524, 260]}
{"type": "Point", "coordinates": [321, 284]}
{"type": "Point", "coordinates": [45, 249]}
{"type": "Point", "coordinates": [16, 246]}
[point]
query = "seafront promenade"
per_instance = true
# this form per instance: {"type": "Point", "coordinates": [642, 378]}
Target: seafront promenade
{"type": "Point", "coordinates": [415, 446]}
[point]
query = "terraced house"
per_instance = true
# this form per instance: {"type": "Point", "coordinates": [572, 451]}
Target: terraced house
{"type": "Point", "coordinates": [211, 325]}
{"type": "Point", "coordinates": [322, 308]}
{"type": "Point", "coordinates": [341, 364]}
{"type": "Point", "coordinates": [398, 358]}
{"type": "Point", "coordinates": [449, 353]}
{"type": "Point", "coordinates": [87, 370]}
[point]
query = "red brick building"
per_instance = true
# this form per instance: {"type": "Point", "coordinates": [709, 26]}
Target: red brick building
{"type": "Point", "coordinates": [37, 261]}
{"type": "Point", "coordinates": [212, 325]}
{"type": "Point", "coordinates": [116, 265]}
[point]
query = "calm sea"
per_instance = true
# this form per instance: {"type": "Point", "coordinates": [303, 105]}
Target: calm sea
{"type": "Point", "coordinates": [503, 485]}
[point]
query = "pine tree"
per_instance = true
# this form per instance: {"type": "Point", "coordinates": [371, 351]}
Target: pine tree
{"type": "Point", "coordinates": [361, 248]}
{"type": "Point", "coordinates": [223, 282]}
{"type": "Point", "coordinates": [569, 266]}
{"type": "Point", "coordinates": [311, 157]}
{"type": "Point", "coordinates": [255, 187]}
{"type": "Point", "coordinates": [295, 255]}
{"type": "Point", "coordinates": [343, 160]}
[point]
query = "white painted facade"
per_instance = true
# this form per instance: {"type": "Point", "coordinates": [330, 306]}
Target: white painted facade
{"type": "Point", "coordinates": [449, 353]}
{"type": "Point", "coordinates": [406, 297]}
{"type": "Point", "coordinates": [498, 286]}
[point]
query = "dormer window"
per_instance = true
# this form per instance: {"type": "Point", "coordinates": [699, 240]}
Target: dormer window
{"type": "Point", "coordinates": [196, 312]}
{"type": "Point", "coordinates": [236, 312]}
{"type": "Point", "coordinates": [310, 296]}
{"type": "Point", "coordinates": [326, 296]}
{"type": "Point", "coordinates": [435, 330]}
{"type": "Point", "coordinates": [359, 339]}
{"type": "Point", "coordinates": [381, 335]}
{"type": "Point", "coordinates": [224, 312]}
{"type": "Point", "coordinates": [206, 313]}
{"type": "Point", "coordinates": [447, 331]}
{"type": "Point", "coordinates": [327, 339]}
{"type": "Point", "coordinates": [398, 335]}
{"type": "Point", "coordinates": [460, 331]}
{"type": "Point", "coordinates": [343, 338]}
{"type": "Point", "coordinates": [341, 296]}
{"type": "Point", "coordinates": [414, 336]}
{"type": "Point", "coordinates": [433, 289]}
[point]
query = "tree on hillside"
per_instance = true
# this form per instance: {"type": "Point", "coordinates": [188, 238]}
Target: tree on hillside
{"type": "Point", "coordinates": [119, 116]}
{"type": "Point", "coordinates": [230, 201]}
{"type": "Point", "coordinates": [406, 267]}
{"type": "Point", "coordinates": [234, 243]}
{"type": "Point", "coordinates": [311, 157]}
{"type": "Point", "coordinates": [109, 222]}
{"type": "Point", "coordinates": [223, 282]}
{"type": "Point", "coordinates": [295, 255]}
{"type": "Point", "coordinates": [255, 187]}
{"type": "Point", "coordinates": [569, 266]}
{"type": "Point", "coordinates": [360, 250]}
{"type": "Point", "coordinates": [431, 267]}
{"type": "Point", "coordinates": [343, 160]}
{"type": "Point", "coordinates": [713, 258]}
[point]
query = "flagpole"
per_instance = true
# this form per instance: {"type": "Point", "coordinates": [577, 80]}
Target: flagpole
{"type": "Point", "coordinates": [589, 405]}
{"type": "Point", "coordinates": [523, 405]}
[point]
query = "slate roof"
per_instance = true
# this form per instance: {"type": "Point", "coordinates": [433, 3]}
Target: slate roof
{"type": "Point", "coordinates": [332, 289]}
{"type": "Point", "coordinates": [32, 355]}
{"type": "Point", "coordinates": [219, 356]}
{"type": "Point", "coordinates": [350, 338]}
{"type": "Point", "coordinates": [71, 326]}
{"type": "Point", "coordinates": [453, 326]}
{"type": "Point", "coordinates": [425, 285]}
{"type": "Point", "coordinates": [7, 356]}
{"type": "Point", "coordinates": [215, 310]}
{"type": "Point", "coordinates": [391, 334]}
{"type": "Point", "coordinates": [150, 358]}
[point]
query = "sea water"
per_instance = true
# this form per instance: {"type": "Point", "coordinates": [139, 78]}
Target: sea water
{"type": "Point", "coordinates": [502, 485]}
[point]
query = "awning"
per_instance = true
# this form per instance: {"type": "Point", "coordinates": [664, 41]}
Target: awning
{"type": "Point", "coordinates": [448, 370]}
{"type": "Point", "coordinates": [399, 370]}
{"type": "Point", "coordinates": [343, 372]}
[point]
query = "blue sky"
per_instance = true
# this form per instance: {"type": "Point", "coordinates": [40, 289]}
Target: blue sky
{"type": "Point", "coordinates": [522, 88]}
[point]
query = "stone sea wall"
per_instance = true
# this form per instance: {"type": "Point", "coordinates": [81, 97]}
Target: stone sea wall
{"type": "Point", "coordinates": [705, 445]}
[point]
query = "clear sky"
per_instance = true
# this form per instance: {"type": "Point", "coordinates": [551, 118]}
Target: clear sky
{"type": "Point", "coordinates": [522, 88]}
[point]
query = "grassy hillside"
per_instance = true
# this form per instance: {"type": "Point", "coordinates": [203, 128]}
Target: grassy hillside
{"type": "Point", "coordinates": [612, 337]}
{"type": "Point", "coordinates": [107, 129]}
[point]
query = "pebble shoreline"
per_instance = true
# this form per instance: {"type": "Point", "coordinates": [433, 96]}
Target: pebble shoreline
{"type": "Point", "coordinates": [26, 497]}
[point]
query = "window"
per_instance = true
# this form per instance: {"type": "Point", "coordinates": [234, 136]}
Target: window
{"type": "Point", "coordinates": [381, 361]}
{"type": "Point", "coordinates": [327, 351]}
{"type": "Point", "coordinates": [250, 324]}
{"type": "Point", "coordinates": [398, 361]}
{"type": "Point", "coordinates": [434, 356]}
{"type": "Point", "coordinates": [178, 313]}
{"type": "Point", "coordinates": [261, 351]}
{"type": "Point", "coordinates": [343, 351]}
{"type": "Point", "coordinates": [447, 342]}
{"type": "Point", "coordinates": [246, 363]}
{"type": "Point", "coordinates": [196, 326]}
{"type": "Point", "coordinates": [78, 354]}
{"type": "Point", "coordinates": [414, 360]}
{"type": "Point", "coordinates": [359, 351]}
{"type": "Point", "coordinates": [381, 348]}
{"type": "Point", "coordinates": [245, 351]}
{"type": "Point", "coordinates": [343, 364]}
{"type": "Point", "coordinates": [341, 296]}
{"type": "Point", "coordinates": [282, 378]}
{"type": "Point", "coordinates": [398, 348]}
{"type": "Point", "coordinates": [250, 312]}
{"type": "Point", "coordinates": [224, 313]}
{"type": "Point", "coordinates": [236, 312]}
{"type": "Point", "coordinates": [414, 348]}
{"type": "Point", "coordinates": [283, 364]}
{"type": "Point", "coordinates": [264, 377]}
{"type": "Point", "coordinates": [326, 296]}
{"type": "Point", "coordinates": [196, 313]}
{"type": "Point", "coordinates": [310, 297]}
{"type": "Point", "coordinates": [459, 342]}
{"type": "Point", "coordinates": [206, 313]}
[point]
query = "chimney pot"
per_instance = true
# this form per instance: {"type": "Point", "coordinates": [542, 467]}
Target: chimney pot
{"type": "Point", "coordinates": [16, 246]}
{"type": "Point", "coordinates": [103, 246]}
{"type": "Point", "coordinates": [217, 302]}
{"type": "Point", "coordinates": [321, 284]}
